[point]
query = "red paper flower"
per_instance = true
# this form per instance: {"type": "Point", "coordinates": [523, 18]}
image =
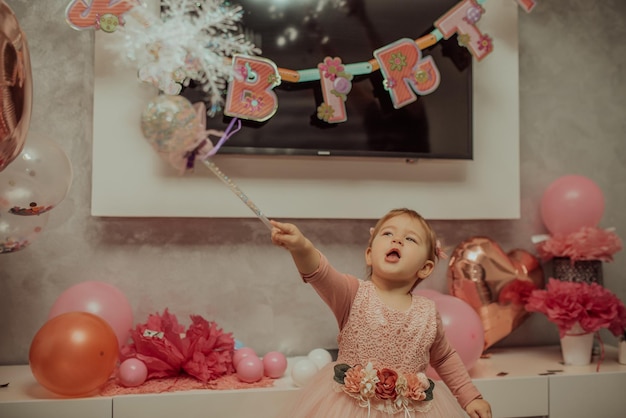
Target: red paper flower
{"type": "Point", "coordinates": [204, 351]}
{"type": "Point", "coordinates": [210, 350]}
{"type": "Point", "coordinates": [158, 343]}
{"type": "Point", "coordinates": [567, 303]}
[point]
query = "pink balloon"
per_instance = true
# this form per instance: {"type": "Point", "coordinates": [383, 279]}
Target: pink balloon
{"type": "Point", "coordinates": [132, 372]}
{"type": "Point", "coordinates": [427, 293]}
{"type": "Point", "coordinates": [463, 328]}
{"type": "Point", "coordinates": [570, 203]}
{"type": "Point", "coordinates": [250, 369]}
{"type": "Point", "coordinates": [100, 299]}
{"type": "Point", "coordinates": [242, 353]}
{"type": "Point", "coordinates": [274, 364]}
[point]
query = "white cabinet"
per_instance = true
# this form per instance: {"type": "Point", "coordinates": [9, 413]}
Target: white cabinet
{"type": "Point", "coordinates": [257, 403]}
{"type": "Point", "coordinates": [589, 395]}
{"type": "Point", "coordinates": [518, 382]}
{"type": "Point", "coordinates": [25, 398]}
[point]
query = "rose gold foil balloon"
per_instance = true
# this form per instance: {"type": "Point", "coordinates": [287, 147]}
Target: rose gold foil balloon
{"type": "Point", "coordinates": [16, 87]}
{"type": "Point", "coordinates": [496, 284]}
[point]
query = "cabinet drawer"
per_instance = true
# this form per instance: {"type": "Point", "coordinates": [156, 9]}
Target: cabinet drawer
{"type": "Point", "coordinates": [520, 397]}
{"type": "Point", "coordinates": [202, 404]}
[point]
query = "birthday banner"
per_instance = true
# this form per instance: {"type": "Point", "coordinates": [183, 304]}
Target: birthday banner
{"type": "Point", "coordinates": [168, 59]}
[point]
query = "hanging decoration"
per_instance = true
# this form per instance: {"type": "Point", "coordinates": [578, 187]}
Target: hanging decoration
{"type": "Point", "coordinates": [200, 40]}
{"type": "Point", "coordinates": [190, 40]}
{"type": "Point", "coordinates": [405, 71]}
{"type": "Point", "coordinates": [336, 84]}
{"type": "Point", "coordinates": [250, 94]}
{"type": "Point", "coordinates": [527, 5]}
{"type": "Point", "coordinates": [462, 20]}
{"type": "Point", "coordinates": [106, 15]}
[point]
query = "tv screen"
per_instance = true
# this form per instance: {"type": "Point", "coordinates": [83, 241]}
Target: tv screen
{"type": "Point", "coordinates": [298, 35]}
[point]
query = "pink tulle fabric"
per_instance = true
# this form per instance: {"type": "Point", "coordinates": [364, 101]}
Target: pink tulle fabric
{"type": "Point", "coordinates": [320, 398]}
{"type": "Point", "coordinates": [567, 303]}
{"type": "Point", "coordinates": [587, 244]}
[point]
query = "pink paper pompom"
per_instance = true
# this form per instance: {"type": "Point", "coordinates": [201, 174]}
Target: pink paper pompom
{"type": "Point", "coordinates": [588, 243]}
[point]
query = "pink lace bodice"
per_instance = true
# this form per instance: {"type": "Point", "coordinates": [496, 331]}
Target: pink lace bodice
{"type": "Point", "coordinates": [385, 336]}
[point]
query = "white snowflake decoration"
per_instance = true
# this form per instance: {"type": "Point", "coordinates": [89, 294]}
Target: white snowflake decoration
{"type": "Point", "coordinates": [191, 40]}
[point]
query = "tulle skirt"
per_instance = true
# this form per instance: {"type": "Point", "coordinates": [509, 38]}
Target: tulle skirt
{"type": "Point", "coordinates": [320, 399]}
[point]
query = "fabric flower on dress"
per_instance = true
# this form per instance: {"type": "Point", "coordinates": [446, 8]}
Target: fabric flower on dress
{"type": "Point", "coordinates": [386, 386]}
{"type": "Point", "coordinates": [385, 389]}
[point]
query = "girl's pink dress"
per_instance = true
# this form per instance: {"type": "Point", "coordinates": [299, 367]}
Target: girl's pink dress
{"type": "Point", "coordinates": [385, 338]}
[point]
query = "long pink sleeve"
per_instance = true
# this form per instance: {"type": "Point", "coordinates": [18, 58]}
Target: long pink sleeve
{"type": "Point", "coordinates": [448, 364]}
{"type": "Point", "coordinates": [336, 289]}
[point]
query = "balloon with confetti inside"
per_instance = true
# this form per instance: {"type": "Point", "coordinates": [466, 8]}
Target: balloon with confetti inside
{"type": "Point", "coordinates": [20, 194]}
{"type": "Point", "coordinates": [169, 123]}
{"type": "Point", "coordinates": [39, 178]}
{"type": "Point", "coordinates": [18, 232]}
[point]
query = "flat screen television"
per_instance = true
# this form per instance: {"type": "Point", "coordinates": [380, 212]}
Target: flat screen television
{"type": "Point", "coordinates": [298, 35]}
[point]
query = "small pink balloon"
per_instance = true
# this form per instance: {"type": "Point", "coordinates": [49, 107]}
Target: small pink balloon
{"type": "Point", "coordinates": [427, 293]}
{"type": "Point", "coordinates": [132, 372]}
{"type": "Point", "coordinates": [242, 353]}
{"type": "Point", "coordinates": [250, 369]}
{"type": "Point", "coordinates": [274, 364]}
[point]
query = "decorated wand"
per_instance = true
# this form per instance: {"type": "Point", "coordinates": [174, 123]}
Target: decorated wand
{"type": "Point", "coordinates": [206, 160]}
{"type": "Point", "coordinates": [235, 189]}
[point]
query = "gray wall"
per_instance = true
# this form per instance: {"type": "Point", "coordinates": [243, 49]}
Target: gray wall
{"type": "Point", "coordinates": [573, 99]}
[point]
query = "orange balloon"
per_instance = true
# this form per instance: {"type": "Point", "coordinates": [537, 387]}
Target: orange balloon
{"type": "Point", "coordinates": [74, 353]}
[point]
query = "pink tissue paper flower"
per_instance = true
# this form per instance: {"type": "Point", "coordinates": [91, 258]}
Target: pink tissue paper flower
{"type": "Point", "coordinates": [588, 243]}
{"type": "Point", "coordinates": [210, 351]}
{"type": "Point", "coordinates": [204, 351]}
{"type": "Point", "coordinates": [567, 303]}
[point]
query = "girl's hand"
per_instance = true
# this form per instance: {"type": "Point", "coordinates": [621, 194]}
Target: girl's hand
{"type": "Point", "coordinates": [304, 254]}
{"type": "Point", "coordinates": [478, 408]}
{"type": "Point", "coordinates": [288, 236]}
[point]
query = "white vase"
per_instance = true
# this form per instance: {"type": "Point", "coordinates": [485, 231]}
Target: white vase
{"type": "Point", "coordinates": [621, 350]}
{"type": "Point", "coordinates": [577, 346]}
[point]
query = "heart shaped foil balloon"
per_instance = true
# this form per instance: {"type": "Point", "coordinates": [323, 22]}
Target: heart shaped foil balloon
{"type": "Point", "coordinates": [496, 284]}
{"type": "Point", "coordinates": [16, 87]}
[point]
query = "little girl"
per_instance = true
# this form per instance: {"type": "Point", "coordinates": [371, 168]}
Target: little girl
{"type": "Point", "coordinates": [387, 336]}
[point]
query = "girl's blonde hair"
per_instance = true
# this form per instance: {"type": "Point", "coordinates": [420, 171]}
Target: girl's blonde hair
{"type": "Point", "coordinates": [431, 237]}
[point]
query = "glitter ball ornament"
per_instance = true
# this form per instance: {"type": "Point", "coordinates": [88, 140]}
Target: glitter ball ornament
{"type": "Point", "coordinates": [169, 123]}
